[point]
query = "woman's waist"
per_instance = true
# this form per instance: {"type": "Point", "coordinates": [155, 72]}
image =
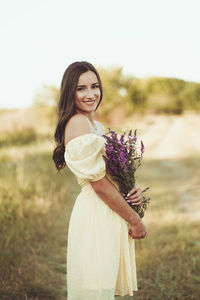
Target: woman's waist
{"type": "Point", "coordinates": [86, 184]}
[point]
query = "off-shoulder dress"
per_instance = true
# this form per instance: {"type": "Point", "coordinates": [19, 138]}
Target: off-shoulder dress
{"type": "Point", "coordinates": [100, 255]}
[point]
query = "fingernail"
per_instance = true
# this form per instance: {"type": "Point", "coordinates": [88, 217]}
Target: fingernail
{"type": "Point", "coordinates": [128, 195]}
{"type": "Point", "coordinates": [128, 201]}
{"type": "Point", "coordinates": [132, 204]}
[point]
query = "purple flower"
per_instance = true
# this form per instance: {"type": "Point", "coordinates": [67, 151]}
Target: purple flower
{"type": "Point", "coordinates": [122, 158]}
{"type": "Point", "coordinates": [142, 147]}
{"type": "Point", "coordinates": [109, 149]}
{"type": "Point", "coordinates": [135, 137]}
{"type": "Point", "coordinates": [121, 138]}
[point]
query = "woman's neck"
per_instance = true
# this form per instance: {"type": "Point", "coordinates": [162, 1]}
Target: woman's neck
{"type": "Point", "coordinates": [90, 116]}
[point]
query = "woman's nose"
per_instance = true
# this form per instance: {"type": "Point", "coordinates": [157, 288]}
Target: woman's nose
{"type": "Point", "coordinates": [90, 93]}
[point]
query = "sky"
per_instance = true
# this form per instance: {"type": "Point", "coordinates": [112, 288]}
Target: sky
{"type": "Point", "coordinates": [40, 38]}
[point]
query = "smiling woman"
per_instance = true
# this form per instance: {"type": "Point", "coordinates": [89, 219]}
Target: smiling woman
{"type": "Point", "coordinates": [88, 93]}
{"type": "Point", "coordinates": [73, 89]}
{"type": "Point", "coordinates": [100, 246]}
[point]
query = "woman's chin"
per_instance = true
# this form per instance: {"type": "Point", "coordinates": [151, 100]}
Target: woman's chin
{"type": "Point", "coordinates": [86, 109]}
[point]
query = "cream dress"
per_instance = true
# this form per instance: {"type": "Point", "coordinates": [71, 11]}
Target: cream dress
{"type": "Point", "coordinates": [100, 253]}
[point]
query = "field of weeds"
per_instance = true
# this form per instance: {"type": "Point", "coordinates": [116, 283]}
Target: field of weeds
{"type": "Point", "coordinates": [35, 207]}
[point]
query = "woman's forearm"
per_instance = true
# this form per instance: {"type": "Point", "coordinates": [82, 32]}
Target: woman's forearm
{"type": "Point", "coordinates": [112, 197]}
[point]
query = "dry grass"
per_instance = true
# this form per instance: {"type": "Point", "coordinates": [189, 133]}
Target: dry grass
{"type": "Point", "coordinates": [34, 213]}
{"type": "Point", "coordinates": [35, 206]}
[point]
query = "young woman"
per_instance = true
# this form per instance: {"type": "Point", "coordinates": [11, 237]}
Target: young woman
{"type": "Point", "coordinates": [102, 228]}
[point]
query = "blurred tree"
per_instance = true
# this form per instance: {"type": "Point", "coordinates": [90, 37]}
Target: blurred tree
{"type": "Point", "coordinates": [191, 96]}
{"type": "Point", "coordinates": [164, 95]}
{"type": "Point", "coordinates": [47, 97]}
{"type": "Point", "coordinates": [114, 93]}
{"type": "Point", "coordinates": [136, 95]}
{"type": "Point", "coordinates": [124, 95]}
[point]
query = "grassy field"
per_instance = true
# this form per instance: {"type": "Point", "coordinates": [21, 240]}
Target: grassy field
{"type": "Point", "coordinates": [34, 213]}
{"type": "Point", "coordinates": [35, 206]}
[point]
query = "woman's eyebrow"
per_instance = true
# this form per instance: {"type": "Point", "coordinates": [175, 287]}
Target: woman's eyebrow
{"type": "Point", "coordinates": [82, 85]}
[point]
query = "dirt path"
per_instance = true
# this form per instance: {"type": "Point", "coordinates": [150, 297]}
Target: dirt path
{"type": "Point", "coordinates": [169, 136]}
{"type": "Point", "coordinates": [170, 139]}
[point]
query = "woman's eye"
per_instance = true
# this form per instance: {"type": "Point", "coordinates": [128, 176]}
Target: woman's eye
{"type": "Point", "coordinates": [82, 88]}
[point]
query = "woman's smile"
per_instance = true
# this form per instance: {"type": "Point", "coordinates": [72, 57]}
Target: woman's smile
{"type": "Point", "coordinates": [90, 102]}
{"type": "Point", "coordinates": [87, 93]}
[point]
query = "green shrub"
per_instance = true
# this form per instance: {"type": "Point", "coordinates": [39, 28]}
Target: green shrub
{"type": "Point", "coordinates": [18, 137]}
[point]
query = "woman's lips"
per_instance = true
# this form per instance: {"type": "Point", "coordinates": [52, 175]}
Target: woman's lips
{"type": "Point", "coordinates": [90, 103]}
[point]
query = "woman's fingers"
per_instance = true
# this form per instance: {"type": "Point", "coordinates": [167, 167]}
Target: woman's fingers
{"type": "Point", "coordinates": [136, 201]}
{"type": "Point", "coordinates": [135, 195]}
{"type": "Point", "coordinates": [133, 190]}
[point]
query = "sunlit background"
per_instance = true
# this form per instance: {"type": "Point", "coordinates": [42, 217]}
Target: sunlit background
{"type": "Point", "coordinates": [39, 39]}
{"type": "Point", "coordinates": [147, 54]}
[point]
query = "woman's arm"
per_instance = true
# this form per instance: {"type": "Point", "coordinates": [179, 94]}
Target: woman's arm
{"type": "Point", "coordinates": [111, 196]}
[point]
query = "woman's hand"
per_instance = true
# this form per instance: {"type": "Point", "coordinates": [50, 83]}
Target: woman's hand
{"type": "Point", "coordinates": [136, 228]}
{"type": "Point", "coordinates": [135, 195]}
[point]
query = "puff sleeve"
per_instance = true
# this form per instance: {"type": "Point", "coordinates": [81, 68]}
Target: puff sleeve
{"type": "Point", "coordinates": [83, 156]}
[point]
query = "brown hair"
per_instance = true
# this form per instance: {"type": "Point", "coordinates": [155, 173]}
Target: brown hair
{"type": "Point", "coordinates": [66, 106]}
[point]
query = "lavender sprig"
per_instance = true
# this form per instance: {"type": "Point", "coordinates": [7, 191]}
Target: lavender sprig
{"type": "Point", "coordinates": [122, 159]}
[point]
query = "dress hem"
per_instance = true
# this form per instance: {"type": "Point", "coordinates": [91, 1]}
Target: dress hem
{"type": "Point", "coordinates": [117, 293]}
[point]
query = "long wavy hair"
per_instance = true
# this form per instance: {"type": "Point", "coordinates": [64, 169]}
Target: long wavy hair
{"type": "Point", "coordinates": [66, 106]}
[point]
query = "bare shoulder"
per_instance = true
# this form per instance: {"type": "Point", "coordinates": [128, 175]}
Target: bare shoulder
{"type": "Point", "coordinates": [76, 126]}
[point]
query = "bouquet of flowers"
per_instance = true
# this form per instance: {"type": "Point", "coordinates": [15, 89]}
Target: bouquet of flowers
{"type": "Point", "coordinates": [122, 158]}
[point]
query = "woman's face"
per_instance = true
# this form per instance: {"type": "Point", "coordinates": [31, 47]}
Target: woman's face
{"type": "Point", "coordinates": [87, 93]}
